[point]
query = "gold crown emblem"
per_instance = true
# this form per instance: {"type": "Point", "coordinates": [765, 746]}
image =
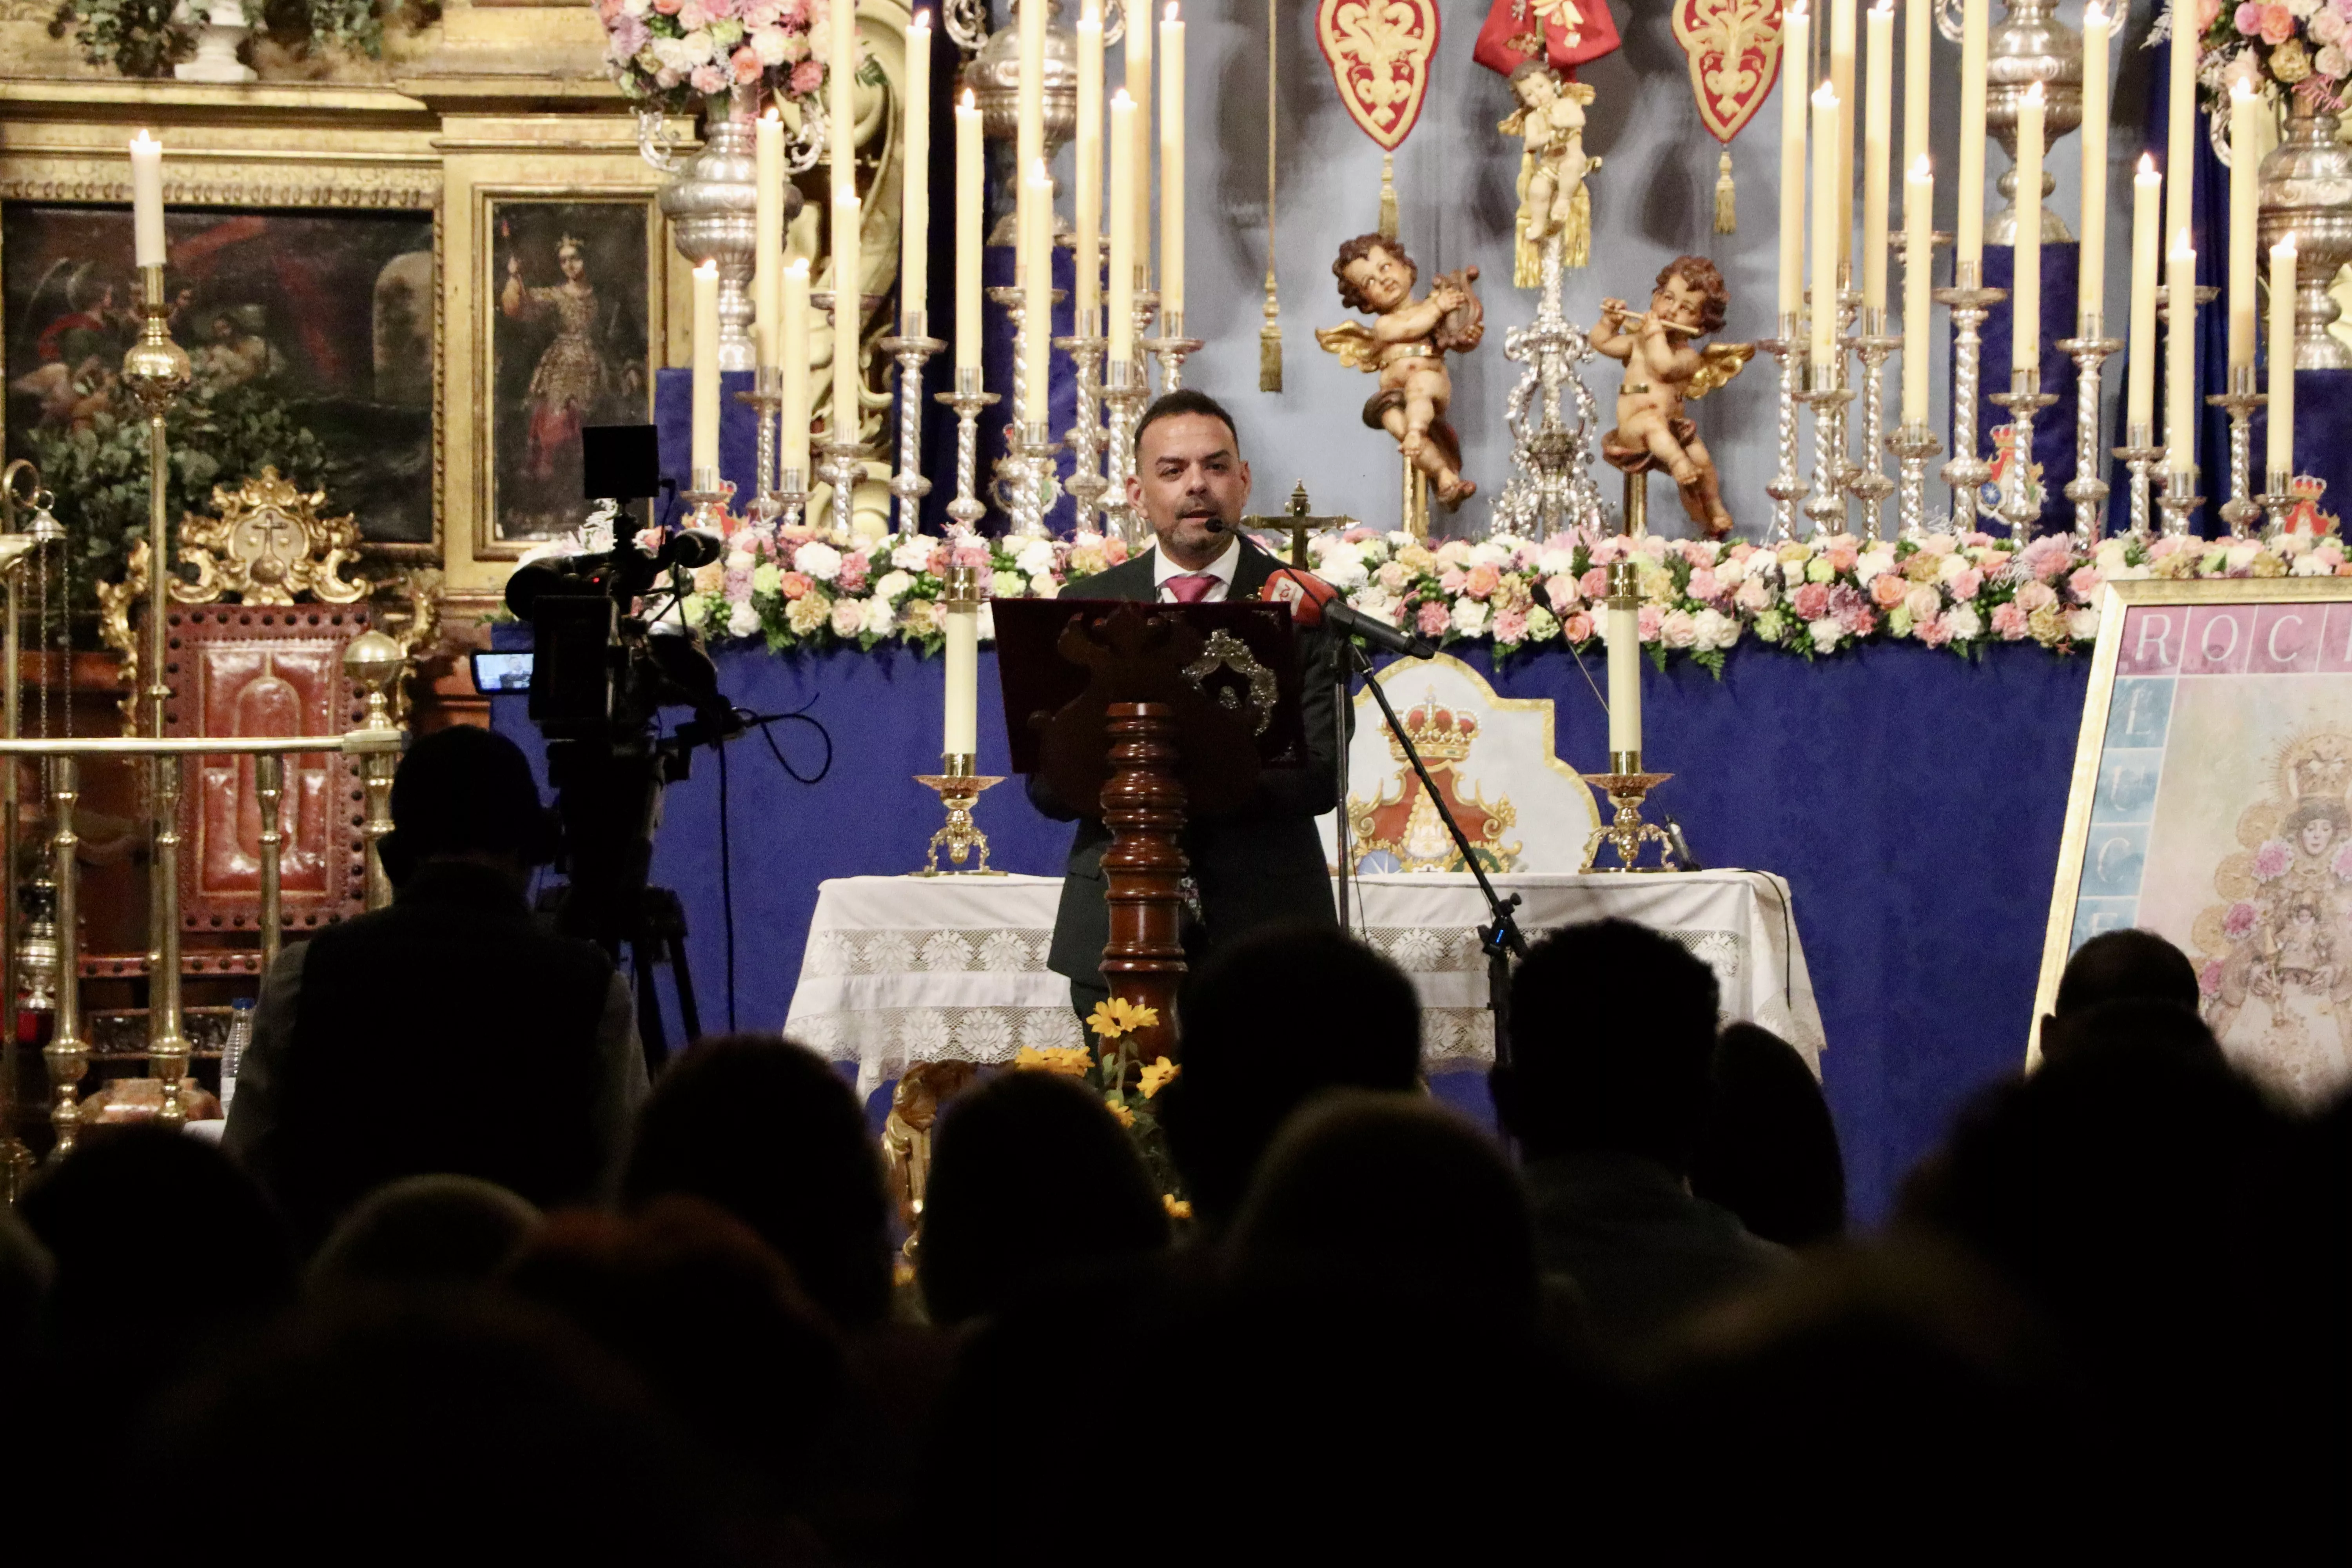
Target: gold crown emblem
{"type": "Point", "coordinates": [1439, 733]}
{"type": "Point", "coordinates": [2306, 487]}
{"type": "Point", "coordinates": [2323, 770]}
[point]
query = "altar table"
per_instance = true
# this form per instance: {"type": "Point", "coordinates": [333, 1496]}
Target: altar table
{"type": "Point", "coordinates": [901, 970]}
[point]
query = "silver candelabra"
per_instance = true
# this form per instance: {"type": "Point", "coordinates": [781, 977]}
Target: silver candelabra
{"type": "Point", "coordinates": [1912, 445]}
{"type": "Point", "coordinates": [1086, 439]}
{"type": "Point", "coordinates": [1551, 487]}
{"type": "Point", "coordinates": [912, 347]}
{"type": "Point", "coordinates": [1125, 390]}
{"type": "Point", "coordinates": [2241, 510]}
{"type": "Point", "coordinates": [967, 400]}
{"type": "Point", "coordinates": [766, 399]}
{"type": "Point", "coordinates": [2089, 349]}
{"type": "Point", "coordinates": [1027, 466]}
{"type": "Point", "coordinates": [2180, 500]}
{"type": "Point", "coordinates": [1966, 470]}
{"type": "Point", "coordinates": [1870, 485]}
{"type": "Point", "coordinates": [1787, 485]}
{"type": "Point", "coordinates": [1170, 348]}
{"type": "Point", "coordinates": [2140, 455]}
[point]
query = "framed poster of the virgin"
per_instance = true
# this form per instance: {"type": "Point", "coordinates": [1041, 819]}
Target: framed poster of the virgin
{"type": "Point", "coordinates": [2212, 804]}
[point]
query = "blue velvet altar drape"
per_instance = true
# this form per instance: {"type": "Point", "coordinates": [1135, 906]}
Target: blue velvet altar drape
{"type": "Point", "coordinates": [1912, 799]}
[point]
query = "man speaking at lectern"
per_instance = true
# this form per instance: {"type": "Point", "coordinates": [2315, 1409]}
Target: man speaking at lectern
{"type": "Point", "coordinates": [1263, 863]}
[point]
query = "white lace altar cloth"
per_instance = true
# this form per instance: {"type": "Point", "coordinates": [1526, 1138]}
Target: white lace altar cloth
{"type": "Point", "coordinates": [915, 969]}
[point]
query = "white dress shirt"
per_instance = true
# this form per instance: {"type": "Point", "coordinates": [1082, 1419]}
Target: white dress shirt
{"type": "Point", "coordinates": [1222, 569]}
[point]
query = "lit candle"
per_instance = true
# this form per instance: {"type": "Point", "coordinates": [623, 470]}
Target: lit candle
{"type": "Point", "coordinates": [2245, 205]}
{"type": "Point", "coordinates": [915, 233]}
{"type": "Point", "coordinates": [1841, 83]}
{"type": "Point", "coordinates": [1918, 265]}
{"type": "Point", "coordinates": [1029, 132]}
{"type": "Point", "coordinates": [797, 415]}
{"type": "Point", "coordinates": [1171, 162]}
{"type": "Point", "coordinates": [848, 264]}
{"type": "Point", "coordinates": [1139, 88]}
{"type": "Point", "coordinates": [2090, 290]}
{"type": "Point", "coordinates": [2139, 401]}
{"type": "Point", "coordinates": [1037, 278]}
{"type": "Point", "coordinates": [768, 249]}
{"type": "Point", "coordinates": [1969, 226]}
{"type": "Point", "coordinates": [2181, 357]}
{"type": "Point", "coordinates": [1086, 201]}
{"type": "Point", "coordinates": [2282, 403]}
{"type": "Point", "coordinates": [147, 200]}
{"type": "Point", "coordinates": [1878, 149]}
{"type": "Point", "coordinates": [1123, 262]}
{"type": "Point", "coordinates": [1795, 28]}
{"type": "Point", "coordinates": [2025, 292]}
{"type": "Point", "coordinates": [705, 368]}
{"type": "Point", "coordinates": [972, 183]}
{"type": "Point", "coordinates": [2180, 130]}
{"type": "Point", "coordinates": [1918, 64]}
{"type": "Point", "coordinates": [1623, 632]}
{"type": "Point", "coordinates": [960, 734]}
{"type": "Point", "coordinates": [1825, 236]}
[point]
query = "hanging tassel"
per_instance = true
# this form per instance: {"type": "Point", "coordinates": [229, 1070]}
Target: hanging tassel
{"type": "Point", "coordinates": [1576, 246]}
{"type": "Point", "coordinates": [1527, 264]}
{"type": "Point", "coordinates": [1388, 196]}
{"type": "Point", "coordinates": [1726, 205]}
{"type": "Point", "coordinates": [1269, 336]}
{"type": "Point", "coordinates": [1269, 343]}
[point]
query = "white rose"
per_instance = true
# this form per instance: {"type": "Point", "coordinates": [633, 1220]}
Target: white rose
{"type": "Point", "coordinates": [2302, 10]}
{"type": "Point", "coordinates": [1792, 573]}
{"type": "Point", "coordinates": [1825, 632]}
{"type": "Point", "coordinates": [2083, 624]}
{"type": "Point", "coordinates": [1469, 616]}
{"type": "Point", "coordinates": [768, 42]}
{"type": "Point", "coordinates": [1486, 553]}
{"type": "Point", "coordinates": [1036, 557]}
{"type": "Point", "coordinates": [1952, 565]}
{"type": "Point", "coordinates": [1731, 571]}
{"type": "Point", "coordinates": [697, 44]}
{"type": "Point", "coordinates": [893, 587]}
{"type": "Point", "coordinates": [1555, 564]}
{"type": "Point", "coordinates": [2330, 61]}
{"type": "Point", "coordinates": [677, 54]}
{"type": "Point", "coordinates": [1873, 564]}
{"type": "Point", "coordinates": [880, 617]}
{"type": "Point", "coordinates": [1924, 601]}
{"type": "Point", "coordinates": [1964, 623]}
{"type": "Point", "coordinates": [1344, 570]}
{"type": "Point", "coordinates": [911, 554]}
{"type": "Point", "coordinates": [742, 620]}
{"type": "Point", "coordinates": [819, 560]}
{"type": "Point", "coordinates": [1678, 630]}
{"type": "Point", "coordinates": [740, 560]}
{"type": "Point", "coordinates": [1715, 629]}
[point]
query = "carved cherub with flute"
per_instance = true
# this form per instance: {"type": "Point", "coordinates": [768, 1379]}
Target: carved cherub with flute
{"type": "Point", "coordinates": [1662, 368]}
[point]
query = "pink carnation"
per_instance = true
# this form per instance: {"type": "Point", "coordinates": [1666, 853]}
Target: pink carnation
{"type": "Point", "coordinates": [2272, 860]}
{"type": "Point", "coordinates": [2239, 921]}
{"type": "Point", "coordinates": [1561, 590]}
{"type": "Point", "coordinates": [1451, 579]}
{"type": "Point", "coordinates": [854, 570]}
{"type": "Point", "coordinates": [1934, 631]}
{"type": "Point", "coordinates": [1577, 627]}
{"type": "Point", "coordinates": [708, 81]}
{"type": "Point", "coordinates": [1607, 549]}
{"type": "Point", "coordinates": [1651, 621]}
{"type": "Point", "coordinates": [1703, 586]}
{"type": "Point", "coordinates": [1511, 626]}
{"type": "Point", "coordinates": [2247, 18]}
{"type": "Point", "coordinates": [2084, 582]}
{"type": "Point", "coordinates": [973, 553]}
{"type": "Point", "coordinates": [2009, 621]}
{"type": "Point", "coordinates": [806, 78]}
{"type": "Point", "coordinates": [1842, 558]}
{"type": "Point", "coordinates": [1432, 619]}
{"type": "Point", "coordinates": [1482, 582]}
{"type": "Point", "coordinates": [1810, 602]}
{"type": "Point", "coordinates": [1697, 554]}
{"type": "Point", "coordinates": [1852, 610]}
{"type": "Point", "coordinates": [1965, 584]}
{"type": "Point", "coordinates": [1594, 584]}
{"type": "Point", "coordinates": [2034, 595]}
{"type": "Point", "coordinates": [746, 61]}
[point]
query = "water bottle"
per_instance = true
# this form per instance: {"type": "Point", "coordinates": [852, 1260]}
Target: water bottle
{"type": "Point", "coordinates": [240, 1034]}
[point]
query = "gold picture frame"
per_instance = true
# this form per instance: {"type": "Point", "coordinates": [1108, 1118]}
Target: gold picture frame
{"type": "Point", "coordinates": [2219, 716]}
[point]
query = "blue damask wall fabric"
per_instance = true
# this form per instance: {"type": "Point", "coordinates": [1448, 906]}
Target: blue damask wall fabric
{"type": "Point", "coordinates": [1914, 800]}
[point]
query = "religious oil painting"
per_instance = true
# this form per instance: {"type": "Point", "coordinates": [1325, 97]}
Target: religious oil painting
{"type": "Point", "coordinates": [311, 340]}
{"type": "Point", "coordinates": [2212, 805]}
{"type": "Point", "coordinates": [567, 298]}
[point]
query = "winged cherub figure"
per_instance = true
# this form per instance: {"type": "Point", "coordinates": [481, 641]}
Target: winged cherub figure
{"type": "Point", "coordinates": [1553, 199]}
{"type": "Point", "coordinates": [1663, 367]}
{"type": "Point", "coordinates": [1406, 345]}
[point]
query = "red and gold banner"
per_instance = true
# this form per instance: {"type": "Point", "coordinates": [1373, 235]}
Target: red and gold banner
{"type": "Point", "coordinates": [1378, 51]}
{"type": "Point", "coordinates": [1566, 32]}
{"type": "Point", "coordinates": [1735, 57]}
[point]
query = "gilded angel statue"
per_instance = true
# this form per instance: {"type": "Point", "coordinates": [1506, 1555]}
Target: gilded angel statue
{"type": "Point", "coordinates": [1553, 167]}
{"type": "Point", "coordinates": [1662, 368]}
{"type": "Point", "coordinates": [1406, 345]}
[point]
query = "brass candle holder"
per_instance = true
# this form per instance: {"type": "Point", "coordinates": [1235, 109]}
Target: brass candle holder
{"type": "Point", "coordinates": [2241, 510]}
{"type": "Point", "coordinates": [911, 348]}
{"type": "Point", "coordinates": [1625, 831]}
{"type": "Point", "coordinates": [959, 786]}
{"type": "Point", "coordinates": [67, 1056]}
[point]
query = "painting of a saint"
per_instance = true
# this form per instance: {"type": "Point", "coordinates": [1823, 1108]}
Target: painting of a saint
{"type": "Point", "coordinates": [569, 349]}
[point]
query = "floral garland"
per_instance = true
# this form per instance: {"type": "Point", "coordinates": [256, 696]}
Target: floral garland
{"type": "Point", "coordinates": [1700, 599]}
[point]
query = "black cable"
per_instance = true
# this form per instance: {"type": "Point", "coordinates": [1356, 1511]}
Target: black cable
{"type": "Point", "coordinates": [798, 715]}
{"type": "Point", "coordinates": [727, 887]}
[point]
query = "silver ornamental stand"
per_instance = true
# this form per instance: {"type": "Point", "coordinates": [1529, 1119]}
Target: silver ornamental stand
{"type": "Point", "coordinates": [1170, 348]}
{"type": "Point", "coordinates": [1551, 487]}
{"type": "Point", "coordinates": [1787, 485]}
{"type": "Point", "coordinates": [967, 400]}
{"type": "Point", "coordinates": [2140, 455]}
{"type": "Point", "coordinates": [1087, 441]}
{"type": "Point", "coordinates": [1965, 472]}
{"type": "Point", "coordinates": [2088, 348]}
{"type": "Point", "coordinates": [767, 401]}
{"type": "Point", "coordinates": [1912, 445]}
{"type": "Point", "coordinates": [2277, 499]}
{"type": "Point", "coordinates": [912, 347]}
{"type": "Point", "coordinates": [1124, 393]}
{"type": "Point", "coordinates": [2020, 507]}
{"type": "Point", "coordinates": [2180, 500]}
{"type": "Point", "coordinates": [1028, 461]}
{"type": "Point", "coordinates": [1870, 485]}
{"type": "Point", "coordinates": [2241, 510]}
{"type": "Point", "coordinates": [1825, 506]}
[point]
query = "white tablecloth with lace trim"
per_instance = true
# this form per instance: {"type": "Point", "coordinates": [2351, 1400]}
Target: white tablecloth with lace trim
{"type": "Point", "coordinates": [913, 969]}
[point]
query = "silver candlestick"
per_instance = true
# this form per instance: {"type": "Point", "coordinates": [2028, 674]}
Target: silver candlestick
{"type": "Point", "coordinates": [1026, 475]}
{"type": "Point", "coordinates": [792, 497]}
{"type": "Point", "coordinates": [2241, 510]}
{"type": "Point", "coordinates": [1966, 471]}
{"type": "Point", "coordinates": [2180, 500]}
{"type": "Point", "coordinates": [708, 495]}
{"type": "Point", "coordinates": [912, 346]}
{"type": "Point", "coordinates": [1017, 469]}
{"type": "Point", "coordinates": [1086, 439]}
{"type": "Point", "coordinates": [2139, 455]}
{"type": "Point", "coordinates": [967, 400]}
{"type": "Point", "coordinates": [1551, 487]}
{"type": "Point", "coordinates": [1826, 505]}
{"type": "Point", "coordinates": [767, 400]}
{"type": "Point", "coordinates": [2020, 496]}
{"type": "Point", "coordinates": [1172, 348]}
{"type": "Point", "coordinates": [1912, 445]}
{"type": "Point", "coordinates": [841, 466]}
{"type": "Point", "coordinates": [2088, 348]}
{"type": "Point", "coordinates": [1125, 390]}
{"type": "Point", "coordinates": [1870, 485]}
{"type": "Point", "coordinates": [2277, 499]}
{"type": "Point", "coordinates": [1787, 486]}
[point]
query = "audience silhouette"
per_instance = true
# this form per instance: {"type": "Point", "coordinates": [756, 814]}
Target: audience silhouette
{"type": "Point", "coordinates": [1766, 1150]}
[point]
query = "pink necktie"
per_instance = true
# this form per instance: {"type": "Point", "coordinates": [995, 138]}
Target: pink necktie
{"type": "Point", "coordinates": [1191, 588]}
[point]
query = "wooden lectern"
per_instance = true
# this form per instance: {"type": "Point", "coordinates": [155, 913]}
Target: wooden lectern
{"type": "Point", "coordinates": [1147, 716]}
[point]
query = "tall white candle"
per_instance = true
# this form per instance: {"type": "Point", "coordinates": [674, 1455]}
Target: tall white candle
{"type": "Point", "coordinates": [768, 248]}
{"type": "Point", "coordinates": [960, 734]}
{"type": "Point", "coordinates": [1795, 39]}
{"type": "Point", "coordinates": [1086, 200]}
{"type": "Point", "coordinates": [1123, 264]}
{"type": "Point", "coordinates": [797, 415]}
{"type": "Point", "coordinates": [1878, 149]}
{"type": "Point", "coordinates": [915, 233]}
{"type": "Point", "coordinates": [2245, 207]}
{"type": "Point", "coordinates": [1624, 629]}
{"type": "Point", "coordinates": [1970, 223]}
{"type": "Point", "coordinates": [1825, 226]}
{"type": "Point", "coordinates": [971, 185]}
{"type": "Point", "coordinates": [1918, 267]}
{"type": "Point", "coordinates": [2180, 128]}
{"type": "Point", "coordinates": [2139, 399]}
{"type": "Point", "coordinates": [2281, 443]}
{"type": "Point", "coordinates": [2025, 287]}
{"type": "Point", "coordinates": [1919, 68]}
{"type": "Point", "coordinates": [2090, 288]}
{"type": "Point", "coordinates": [1037, 279]}
{"type": "Point", "coordinates": [2181, 356]}
{"type": "Point", "coordinates": [1171, 161]}
{"type": "Point", "coordinates": [1139, 88]}
{"type": "Point", "coordinates": [147, 200]}
{"type": "Point", "coordinates": [1029, 132]}
{"type": "Point", "coordinates": [848, 263]}
{"type": "Point", "coordinates": [1841, 83]}
{"type": "Point", "coordinates": [705, 446]}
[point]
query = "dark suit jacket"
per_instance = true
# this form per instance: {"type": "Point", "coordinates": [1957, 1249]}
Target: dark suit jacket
{"type": "Point", "coordinates": [1260, 866]}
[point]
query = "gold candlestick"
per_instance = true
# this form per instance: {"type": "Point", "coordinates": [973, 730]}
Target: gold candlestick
{"type": "Point", "coordinates": [1625, 831]}
{"type": "Point", "coordinates": [959, 787]}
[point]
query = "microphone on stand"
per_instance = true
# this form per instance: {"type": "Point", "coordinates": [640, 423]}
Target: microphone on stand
{"type": "Point", "coordinates": [1313, 603]}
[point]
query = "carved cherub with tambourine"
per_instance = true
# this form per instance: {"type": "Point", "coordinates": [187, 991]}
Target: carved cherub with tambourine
{"type": "Point", "coordinates": [1553, 199]}
{"type": "Point", "coordinates": [1406, 345]}
{"type": "Point", "coordinates": [1664, 368]}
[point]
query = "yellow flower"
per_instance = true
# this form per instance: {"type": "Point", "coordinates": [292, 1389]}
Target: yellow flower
{"type": "Point", "coordinates": [1922, 567]}
{"type": "Point", "coordinates": [2267, 566]}
{"type": "Point", "coordinates": [1157, 1075]}
{"type": "Point", "coordinates": [1117, 1017]}
{"type": "Point", "coordinates": [2048, 625]}
{"type": "Point", "coordinates": [1126, 1117]}
{"type": "Point", "coordinates": [1070, 1061]}
{"type": "Point", "coordinates": [1178, 1208]}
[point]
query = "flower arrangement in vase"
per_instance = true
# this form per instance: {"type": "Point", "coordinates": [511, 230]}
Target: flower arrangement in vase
{"type": "Point", "coordinates": [2299, 47]}
{"type": "Point", "coordinates": [672, 55]}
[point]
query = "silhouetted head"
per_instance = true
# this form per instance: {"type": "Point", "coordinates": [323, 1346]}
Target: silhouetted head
{"type": "Point", "coordinates": [2138, 1023]}
{"type": "Point", "coordinates": [1767, 1150]}
{"type": "Point", "coordinates": [1613, 1036]}
{"type": "Point", "coordinates": [1267, 1023]}
{"type": "Point", "coordinates": [1029, 1175]}
{"type": "Point", "coordinates": [2129, 965]}
{"type": "Point", "coordinates": [426, 1231]}
{"type": "Point", "coordinates": [768, 1131]}
{"type": "Point", "coordinates": [465, 793]}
